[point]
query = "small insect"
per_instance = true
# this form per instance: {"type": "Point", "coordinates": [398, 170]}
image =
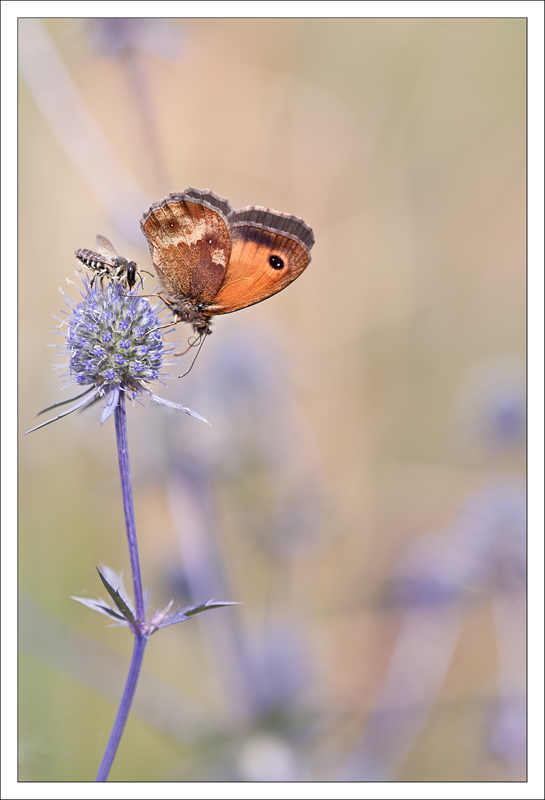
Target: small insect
{"type": "Point", "coordinates": [106, 263]}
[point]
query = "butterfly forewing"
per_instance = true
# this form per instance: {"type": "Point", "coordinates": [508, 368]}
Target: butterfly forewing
{"type": "Point", "coordinates": [190, 246]}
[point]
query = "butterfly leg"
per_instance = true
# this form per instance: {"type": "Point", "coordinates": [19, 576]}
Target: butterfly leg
{"type": "Point", "coordinates": [167, 303]}
{"type": "Point", "coordinates": [200, 341]}
{"type": "Point", "coordinates": [193, 342]}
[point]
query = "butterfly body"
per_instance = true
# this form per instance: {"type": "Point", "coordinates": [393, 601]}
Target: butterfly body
{"type": "Point", "coordinates": [212, 259]}
{"type": "Point", "coordinates": [106, 263]}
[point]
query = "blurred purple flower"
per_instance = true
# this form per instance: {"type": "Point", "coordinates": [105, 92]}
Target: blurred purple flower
{"type": "Point", "coordinates": [507, 731]}
{"type": "Point", "coordinates": [492, 407]}
{"type": "Point", "coordinates": [115, 37]}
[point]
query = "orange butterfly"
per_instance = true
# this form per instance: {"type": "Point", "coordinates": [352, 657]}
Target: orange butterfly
{"type": "Point", "coordinates": [211, 259]}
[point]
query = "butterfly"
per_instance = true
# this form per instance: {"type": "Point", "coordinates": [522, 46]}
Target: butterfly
{"type": "Point", "coordinates": [211, 259]}
{"type": "Point", "coordinates": [106, 263]}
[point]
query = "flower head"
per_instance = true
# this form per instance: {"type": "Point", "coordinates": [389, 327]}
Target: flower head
{"type": "Point", "coordinates": [112, 339]}
{"type": "Point", "coordinates": [114, 342]}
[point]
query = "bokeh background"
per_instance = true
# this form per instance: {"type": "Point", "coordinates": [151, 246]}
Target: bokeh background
{"type": "Point", "coordinates": [362, 487]}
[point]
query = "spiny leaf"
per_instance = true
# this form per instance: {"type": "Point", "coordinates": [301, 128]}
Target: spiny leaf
{"type": "Point", "coordinates": [98, 605]}
{"type": "Point", "coordinates": [118, 600]}
{"type": "Point", "coordinates": [191, 610]}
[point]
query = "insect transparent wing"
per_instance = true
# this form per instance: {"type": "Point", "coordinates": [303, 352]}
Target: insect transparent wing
{"type": "Point", "coordinates": [106, 249]}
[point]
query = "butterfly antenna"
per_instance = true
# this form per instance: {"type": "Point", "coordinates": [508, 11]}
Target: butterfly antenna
{"type": "Point", "coordinates": [195, 358]}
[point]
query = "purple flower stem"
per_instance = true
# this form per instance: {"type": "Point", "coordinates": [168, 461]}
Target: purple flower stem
{"type": "Point", "coordinates": [128, 507]}
{"type": "Point", "coordinates": [140, 642]}
{"type": "Point", "coordinates": [140, 634]}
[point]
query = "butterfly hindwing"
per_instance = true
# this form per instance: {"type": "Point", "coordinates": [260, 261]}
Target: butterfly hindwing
{"type": "Point", "coordinates": [269, 250]}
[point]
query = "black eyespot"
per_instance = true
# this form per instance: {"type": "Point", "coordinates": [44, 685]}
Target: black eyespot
{"type": "Point", "coordinates": [276, 262]}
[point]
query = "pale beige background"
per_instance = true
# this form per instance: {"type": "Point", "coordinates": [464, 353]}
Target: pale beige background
{"type": "Point", "coordinates": [354, 402]}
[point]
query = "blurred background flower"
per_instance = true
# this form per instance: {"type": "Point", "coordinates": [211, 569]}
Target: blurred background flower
{"type": "Point", "coordinates": [361, 489]}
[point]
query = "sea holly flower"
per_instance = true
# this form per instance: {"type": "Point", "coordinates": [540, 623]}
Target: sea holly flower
{"type": "Point", "coordinates": [114, 342]}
